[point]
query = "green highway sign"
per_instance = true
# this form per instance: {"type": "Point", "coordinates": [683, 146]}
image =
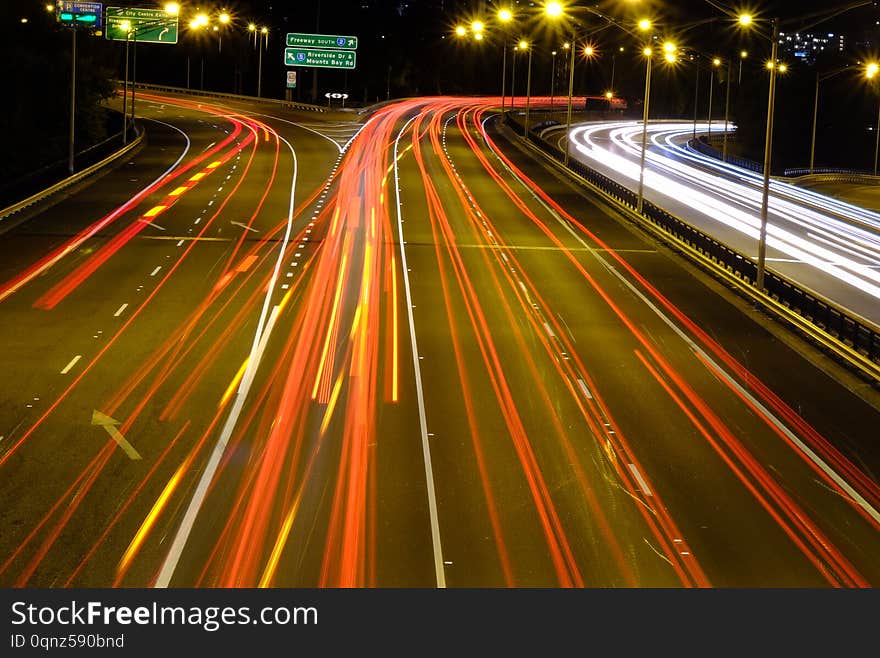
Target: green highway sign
{"type": "Point", "coordinates": [295, 40]}
{"type": "Point", "coordinates": [319, 58]}
{"type": "Point", "coordinates": [145, 25]}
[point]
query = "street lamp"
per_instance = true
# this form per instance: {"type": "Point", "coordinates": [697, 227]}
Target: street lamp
{"type": "Point", "coordinates": [726, 110]}
{"type": "Point", "coordinates": [527, 46]}
{"type": "Point", "coordinates": [552, 80]}
{"type": "Point", "coordinates": [745, 19]}
{"type": "Point", "coordinates": [125, 26]}
{"type": "Point", "coordinates": [264, 34]}
{"type": "Point", "coordinates": [224, 19]}
{"type": "Point", "coordinates": [504, 17]}
{"type": "Point", "coordinates": [716, 62]}
{"type": "Point", "coordinates": [669, 50]}
{"type": "Point", "coordinates": [819, 78]}
{"type": "Point", "coordinates": [871, 71]}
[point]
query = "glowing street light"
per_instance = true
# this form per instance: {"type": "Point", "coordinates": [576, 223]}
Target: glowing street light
{"type": "Point", "coordinates": [477, 27]}
{"type": "Point", "coordinates": [745, 19]}
{"type": "Point", "coordinates": [460, 30]}
{"type": "Point", "coordinates": [172, 8]}
{"type": "Point", "coordinates": [505, 16]}
{"type": "Point", "coordinates": [645, 25]}
{"type": "Point", "coordinates": [554, 9]}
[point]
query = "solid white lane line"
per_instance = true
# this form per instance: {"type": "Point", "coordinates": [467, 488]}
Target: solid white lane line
{"type": "Point", "coordinates": [120, 311]}
{"type": "Point", "coordinates": [71, 364]}
{"type": "Point", "coordinates": [420, 394]}
{"type": "Point", "coordinates": [638, 476]}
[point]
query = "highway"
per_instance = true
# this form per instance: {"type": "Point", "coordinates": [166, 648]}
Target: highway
{"type": "Point", "coordinates": [826, 245]}
{"type": "Point", "coordinates": [287, 349]}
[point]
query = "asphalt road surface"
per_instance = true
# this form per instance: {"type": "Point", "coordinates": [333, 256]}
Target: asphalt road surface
{"type": "Point", "coordinates": [286, 349]}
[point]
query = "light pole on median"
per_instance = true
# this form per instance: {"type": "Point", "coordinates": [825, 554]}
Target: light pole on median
{"type": "Point", "coordinates": [871, 71]}
{"type": "Point", "coordinates": [820, 78]}
{"type": "Point", "coordinates": [716, 62]}
{"type": "Point", "coordinates": [773, 65]}
{"type": "Point", "coordinates": [530, 48]}
{"type": "Point", "coordinates": [669, 49]}
{"type": "Point", "coordinates": [504, 16]}
{"type": "Point", "coordinates": [71, 141]}
{"type": "Point", "coordinates": [126, 27]}
{"type": "Point", "coordinates": [649, 56]}
{"type": "Point", "coordinates": [726, 111]}
{"type": "Point", "coordinates": [264, 34]}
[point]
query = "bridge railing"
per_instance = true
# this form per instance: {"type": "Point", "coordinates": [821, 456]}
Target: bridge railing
{"type": "Point", "coordinates": [850, 338]}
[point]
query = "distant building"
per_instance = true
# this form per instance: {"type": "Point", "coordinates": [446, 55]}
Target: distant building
{"type": "Point", "coordinates": [807, 46]}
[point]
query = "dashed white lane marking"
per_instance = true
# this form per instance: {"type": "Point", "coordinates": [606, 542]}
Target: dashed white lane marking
{"type": "Point", "coordinates": [638, 476]}
{"type": "Point", "coordinates": [71, 364]}
{"type": "Point", "coordinates": [180, 244]}
{"type": "Point", "coordinates": [549, 330]}
{"type": "Point", "coordinates": [584, 388]}
{"type": "Point", "coordinates": [121, 310]}
{"type": "Point", "coordinates": [156, 271]}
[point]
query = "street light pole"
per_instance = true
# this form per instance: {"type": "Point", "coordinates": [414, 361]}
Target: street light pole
{"type": "Point", "coordinates": [877, 139]}
{"type": "Point", "coordinates": [768, 146]}
{"type": "Point", "coordinates": [570, 93]}
{"type": "Point", "coordinates": [513, 79]}
{"type": "Point", "coordinates": [641, 200]}
{"type": "Point", "coordinates": [552, 81]}
{"type": "Point", "coordinates": [260, 67]}
{"type": "Point", "coordinates": [72, 100]}
{"type": "Point", "coordinates": [503, 76]}
{"type": "Point", "coordinates": [696, 99]}
{"type": "Point", "coordinates": [711, 89]}
{"type": "Point", "coordinates": [134, 51]}
{"type": "Point", "coordinates": [726, 111]}
{"type": "Point", "coordinates": [528, 92]}
{"type": "Point", "coordinates": [125, 94]}
{"type": "Point", "coordinates": [815, 116]}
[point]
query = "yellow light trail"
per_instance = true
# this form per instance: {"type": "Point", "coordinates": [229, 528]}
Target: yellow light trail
{"type": "Point", "coordinates": [331, 404]}
{"type": "Point", "coordinates": [158, 506]}
{"type": "Point", "coordinates": [234, 383]}
{"type": "Point", "coordinates": [178, 191]}
{"type": "Point", "coordinates": [152, 212]}
{"type": "Point", "coordinates": [393, 328]}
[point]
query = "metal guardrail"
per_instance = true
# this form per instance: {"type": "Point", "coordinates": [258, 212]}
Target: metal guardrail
{"type": "Point", "coordinates": [799, 175]}
{"type": "Point", "coordinates": [70, 180]}
{"type": "Point", "coordinates": [216, 94]}
{"type": "Point", "coordinates": [701, 145]}
{"type": "Point", "coordinates": [803, 176]}
{"type": "Point", "coordinates": [852, 339]}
